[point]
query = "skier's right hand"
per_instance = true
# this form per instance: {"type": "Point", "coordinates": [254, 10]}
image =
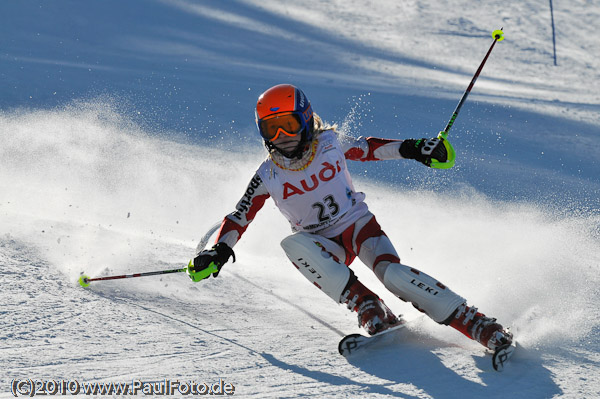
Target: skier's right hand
{"type": "Point", "coordinates": [210, 262]}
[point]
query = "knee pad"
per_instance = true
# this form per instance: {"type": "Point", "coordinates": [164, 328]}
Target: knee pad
{"type": "Point", "coordinates": [426, 293]}
{"type": "Point", "coordinates": [313, 256]}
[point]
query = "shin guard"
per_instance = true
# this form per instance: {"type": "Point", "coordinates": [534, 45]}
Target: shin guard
{"type": "Point", "coordinates": [321, 267]}
{"type": "Point", "coordinates": [426, 293]}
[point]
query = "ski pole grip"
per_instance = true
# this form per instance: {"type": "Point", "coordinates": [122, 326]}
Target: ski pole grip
{"type": "Point", "coordinates": [443, 136]}
{"type": "Point", "coordinates": [201, 274]}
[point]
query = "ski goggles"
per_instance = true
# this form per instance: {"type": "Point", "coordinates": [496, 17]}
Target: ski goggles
{"type": "Point", "coordinates": [287, 123]}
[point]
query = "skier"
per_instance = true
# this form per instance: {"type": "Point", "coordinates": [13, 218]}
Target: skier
{"type": "Point", "coordinates": [306, 175]}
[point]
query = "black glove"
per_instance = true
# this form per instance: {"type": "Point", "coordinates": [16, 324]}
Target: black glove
{"type": "Point", "coordinates": [424, 150]}
{"type": "Point", "coordinates": [218, 254]}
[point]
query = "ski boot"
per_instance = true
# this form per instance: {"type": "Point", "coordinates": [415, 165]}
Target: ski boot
{"type": "Point", "coordinates": [373, 315]}
{"type": "Point", "coordinates": [479, 327]}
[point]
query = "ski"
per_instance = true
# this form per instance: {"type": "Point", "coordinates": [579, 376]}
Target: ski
{"type": "Point", "coordinates": [353, 343]}
{"type": "Point", "coordinates": [502, 354]}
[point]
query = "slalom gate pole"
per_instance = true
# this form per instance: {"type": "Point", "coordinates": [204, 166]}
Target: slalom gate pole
{"type": "Point", "coordinates": [498, 36]}
{"type": "Point", "coordinates": [553, 35]}
{"type": "Point", "coordinates": [85, 281]}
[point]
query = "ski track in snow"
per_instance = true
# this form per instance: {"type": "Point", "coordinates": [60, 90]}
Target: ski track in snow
{"type": "Point", "coordinates": [102, 173]}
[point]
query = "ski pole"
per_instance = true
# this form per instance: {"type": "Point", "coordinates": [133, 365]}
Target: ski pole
{"type": "Point", "coordinates": [498, 36]}
{"type": "Point", "coordinates": [85, 281]}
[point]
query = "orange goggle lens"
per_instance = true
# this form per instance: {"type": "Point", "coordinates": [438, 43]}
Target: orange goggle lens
{"type": "Point", "coordinates": [288, 124]}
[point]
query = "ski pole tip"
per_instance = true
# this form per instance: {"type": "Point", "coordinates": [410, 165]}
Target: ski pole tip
{"type": "Point", "coordinates": [498, 34]}
{"type": "Point", "coordinates": [83, 280]}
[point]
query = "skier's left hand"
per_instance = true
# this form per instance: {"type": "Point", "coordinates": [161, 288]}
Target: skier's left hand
{"type": "Point", "coordinates": [424, 150]}
{"type": "Point", "coordinates": [210, 262]}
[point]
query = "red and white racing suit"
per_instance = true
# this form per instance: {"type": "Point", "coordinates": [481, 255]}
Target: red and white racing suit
{"type": "Point", "coordinates": [319, 199]}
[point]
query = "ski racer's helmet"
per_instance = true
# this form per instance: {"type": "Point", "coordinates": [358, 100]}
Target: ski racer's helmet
{"type": "Point", "coordinates": [285, 109]}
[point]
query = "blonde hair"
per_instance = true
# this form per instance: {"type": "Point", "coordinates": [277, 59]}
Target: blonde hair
{"type": "Point", "coordinates": [319, 126]}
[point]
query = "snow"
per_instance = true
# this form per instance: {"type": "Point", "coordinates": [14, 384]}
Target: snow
{"type": "Point", "coordinates": [127, 131]}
